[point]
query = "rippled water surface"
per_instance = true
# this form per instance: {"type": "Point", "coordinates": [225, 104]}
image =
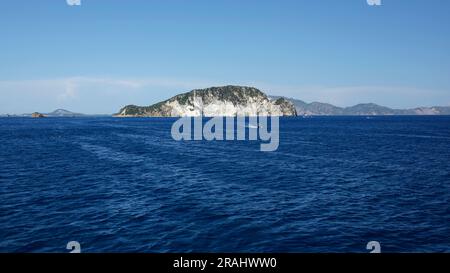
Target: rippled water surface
{"type": "Point", "coordinates": [124, 185]}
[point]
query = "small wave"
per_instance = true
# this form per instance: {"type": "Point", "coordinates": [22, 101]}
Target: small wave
{"type": "Point", "coordinates": [109, 154]}
{"type": "Point", "coordinates": [415, 136]}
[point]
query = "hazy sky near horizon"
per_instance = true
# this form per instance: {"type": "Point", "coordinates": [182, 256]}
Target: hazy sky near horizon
{"type": "Point", "coordinates": [102, 55]}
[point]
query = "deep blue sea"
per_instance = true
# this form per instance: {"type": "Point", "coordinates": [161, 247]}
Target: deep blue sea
{"type": "Point", "coordinates": [124, 185]}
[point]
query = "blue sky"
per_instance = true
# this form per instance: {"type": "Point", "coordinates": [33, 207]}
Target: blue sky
{"type": "Point", "coordinates": [102, 55]}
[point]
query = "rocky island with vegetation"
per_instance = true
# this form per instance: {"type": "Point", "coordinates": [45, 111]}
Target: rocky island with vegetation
{"type": "Point", "coordinates": [37, 115]}
{"type": "Point", "coordinates": [215, 101]}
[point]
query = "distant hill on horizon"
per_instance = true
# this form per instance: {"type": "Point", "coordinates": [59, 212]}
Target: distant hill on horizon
{"type": "Point", "coordinates": [56, 113]}
{"type": "Point", "coordinates": [362, 109]}
{"type": "Point", "coordinates": [63, 113]}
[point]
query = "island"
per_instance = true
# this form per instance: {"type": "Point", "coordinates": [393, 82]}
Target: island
{"type": "Point", "coordinates": [227, 100]}
{"type": "Point", "coordinates": [37, 115]}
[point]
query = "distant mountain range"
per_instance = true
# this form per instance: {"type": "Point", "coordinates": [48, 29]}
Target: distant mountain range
{"type": "Point", "coordinates": [63, 113]}
{"type": "Point", "coordinates": [363, 109]}
{"type": "Point", "coordinates": [56, 113]}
